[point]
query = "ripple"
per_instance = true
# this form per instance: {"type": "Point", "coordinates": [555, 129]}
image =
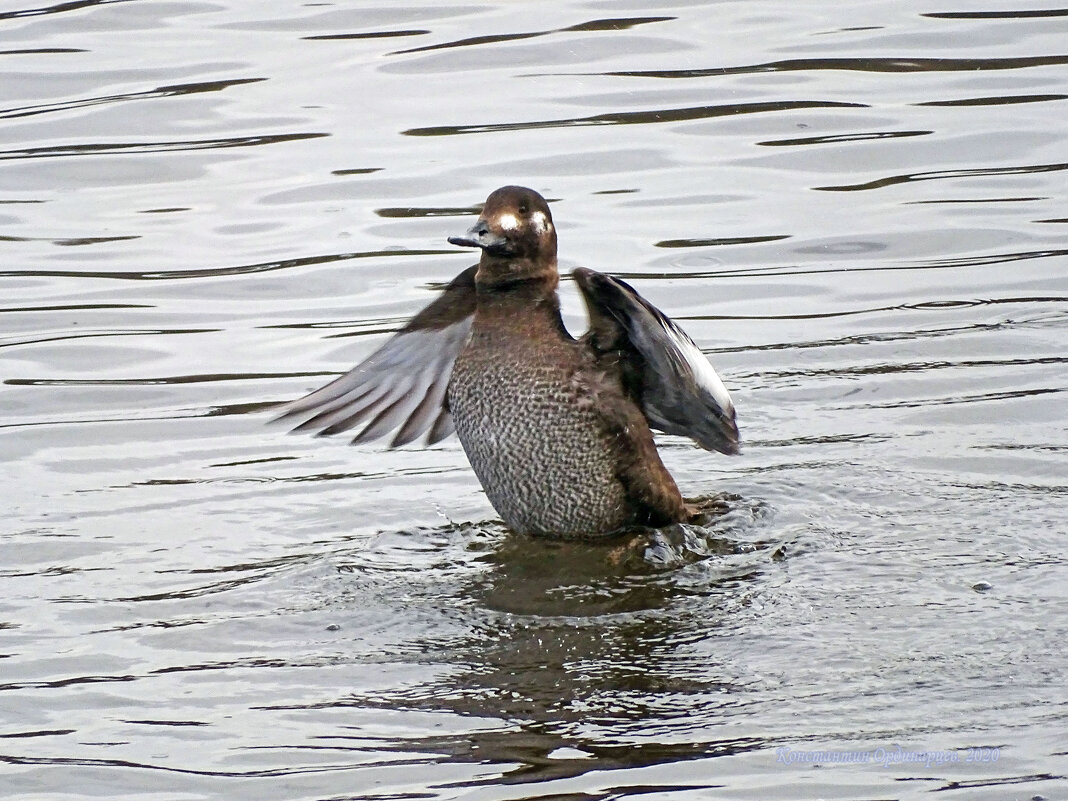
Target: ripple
{"type": "Point", "coordinates": [1009, 14]}
{"type": "Point", "coordinates": [175, 90]}
{"type": "Point", "coordinates": [333, 37]}
{"type": "Point", "coordinates": [998, 100]}
{"type": "Point", "coordinates": [140, 148]}
{"type": "Point", "coordinates": [857, 65]}
{"type": "Point", "coordinates": [837, 139]}
{"type": "Point", "coordinates": [212, 272]}
{"type": "Point", "coordinates": [937, 175]}
{"type": "Point", "coordinates": [615, 24]}
{"type": "Point", "coordinates": [734, 240]}
{"type": "Point", "coordinates": [633, 117]}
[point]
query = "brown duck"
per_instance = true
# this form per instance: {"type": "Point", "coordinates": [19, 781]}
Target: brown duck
{"type": "Point", "coordinates": [556, 429]}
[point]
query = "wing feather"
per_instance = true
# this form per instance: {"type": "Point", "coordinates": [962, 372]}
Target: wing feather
{"type": "Point", "coordinates": [678, 388]}
{"type": "Point", "coordinates": [403, 384]}
{"type": "Point", "coordinates": [424, 415]}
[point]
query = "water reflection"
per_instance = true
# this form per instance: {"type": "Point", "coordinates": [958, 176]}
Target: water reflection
{"type": "Point", "coordinates": [570, 644]}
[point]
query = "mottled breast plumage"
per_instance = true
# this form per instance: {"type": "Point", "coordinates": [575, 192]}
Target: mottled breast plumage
{"type": "Point", "coordinates": [525, 414]}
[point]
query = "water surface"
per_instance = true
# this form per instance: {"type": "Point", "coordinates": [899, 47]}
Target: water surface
{"type": "Point", "coordinates": [857, 212]}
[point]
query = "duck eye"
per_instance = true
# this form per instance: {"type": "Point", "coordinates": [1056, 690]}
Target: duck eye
{"type": "Point", "coordinates": [523, 209]}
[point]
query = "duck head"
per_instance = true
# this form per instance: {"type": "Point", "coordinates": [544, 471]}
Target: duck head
{"type": "Point", "coordinates": [516, 234]}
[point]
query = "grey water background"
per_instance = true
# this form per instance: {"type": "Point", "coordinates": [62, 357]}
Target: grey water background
{"type": "Point", "coordinates": [857, 210]}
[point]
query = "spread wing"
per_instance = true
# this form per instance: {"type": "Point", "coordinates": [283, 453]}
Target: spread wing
{"type": "Point", "coordinates": [678, 390]}
{"type": "Point", "coordinates": [401, 385]}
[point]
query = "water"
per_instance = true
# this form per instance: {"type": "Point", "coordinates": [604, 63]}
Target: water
{"type": "Point", "coordinates": [857, 211]}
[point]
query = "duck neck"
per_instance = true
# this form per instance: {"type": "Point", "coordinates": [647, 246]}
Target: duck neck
{"type": "Point", "coordinates": [521, 304]}
{"type": "Point", "coordinates": [501, 274]}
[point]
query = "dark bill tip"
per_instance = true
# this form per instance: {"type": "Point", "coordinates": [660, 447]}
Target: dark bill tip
{"type": "Point", "coordinates": [463, 242]}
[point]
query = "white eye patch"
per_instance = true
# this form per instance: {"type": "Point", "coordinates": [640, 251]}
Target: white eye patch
{"type": "Point", "coordinates": [508, 222]}
{"type": "Point", "coordinates": [539, 222]}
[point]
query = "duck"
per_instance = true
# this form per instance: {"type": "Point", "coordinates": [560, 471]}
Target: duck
{"type": "Point", "coordinates": [558, 429]}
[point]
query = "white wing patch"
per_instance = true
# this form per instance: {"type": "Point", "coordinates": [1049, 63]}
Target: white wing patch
{"type": "Point", "coordinates": [703, 372]}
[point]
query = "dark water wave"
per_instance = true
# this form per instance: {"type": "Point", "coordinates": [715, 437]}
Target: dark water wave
{"type": "Point", "coordinates": [77, 307]}
{"type": "Point", "coordinates": [620, 24]}
{"type": "Point", "coordinates": [333, 37]}
{"type": "Point", "coordinates": [918, 334]}
{"type": "Point", "coordinates": [423, 212]}
{"type": "Point", "coordinates": [226, 410]}
{"type": "Point", "coordinates": [935, 175]}
{"type": "Point", "coordinates": [58, 8]}
{"type": "Point", "coordinates": [1008, 14]}
{"type": "Point", "coordinates": [834, 139]}
{"type": "Point", "coordinates": [997, 100]}
{"type": "Point", "coordinates": [146, 332]}
{"type": "Point", "coordinates": [68, 762]}
{"type": "Point", "coordinates": [1024, 199]}
{"type": "Point", "coordinates": [174, 90]}
{"type": "Point", "coordinates": [71, 241]}
{"type": "Point", "coordinates": [890, 368]}
{"type": "Point", "coordinates": [949, 400]}
{"type": "Point", "coordinates": [209, 272]}
{"type": "Point", "coordinates": [634, 117]}
{"type": "Point", "coordinates": [728, 240]}
{"type": "Point", "coordinates": [933, 305]}
{"type": "Point", "coordinates": [42, 51]}
{"type": "Point", "coordinates": [793, 270]}
{"type": "Point", "coordinates": [172, 380]}
{"type": "Point", "coordinates": [137, 148]}
{"type": "Point", "coordinates": [856, 65]}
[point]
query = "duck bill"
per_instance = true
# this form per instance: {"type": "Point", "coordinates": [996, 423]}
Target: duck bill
{"type": "Point", "coordinates": [479, 236]}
